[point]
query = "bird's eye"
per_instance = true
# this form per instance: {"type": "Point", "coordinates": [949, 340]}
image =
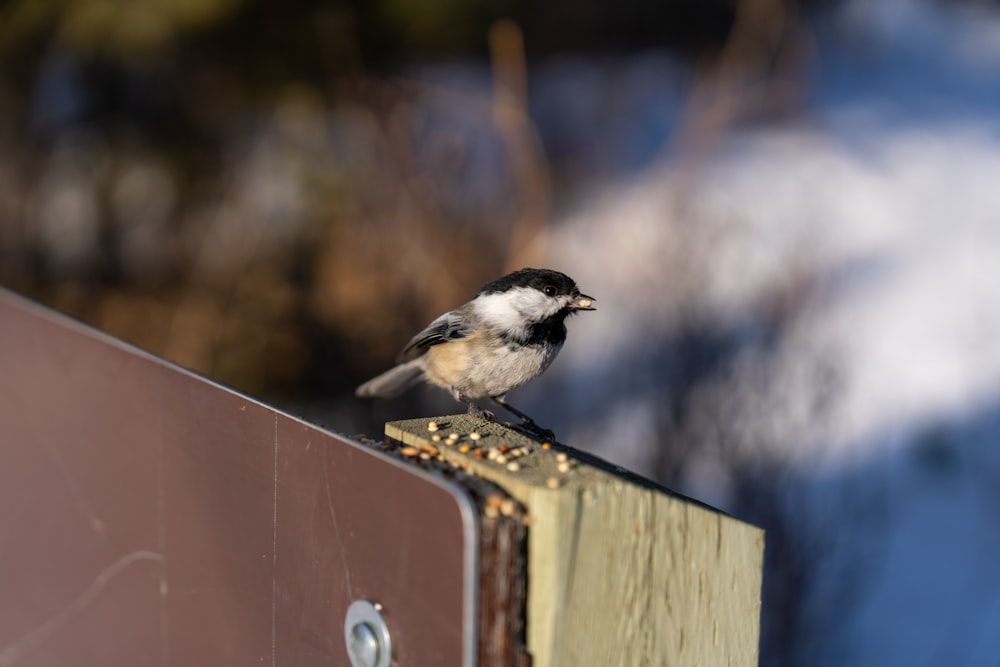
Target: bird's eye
{"type": "Point", "coordinates": [549, 290]}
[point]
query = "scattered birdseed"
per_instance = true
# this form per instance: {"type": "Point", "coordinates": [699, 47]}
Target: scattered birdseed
{"type": "Point", "coordinates": [492, 454]}
{"type": "Point", "coordinates": [464, 448]}
{"type": "Point", "coordinates": [474, 436]}
{"type": "Point", "coordinates": [432, 426]}
{"type": "Point", "coordinates": [494, 500]}
{"type": "Point", "coordinates": [563, 466]}
{"type": "Point", "coordinates": [513, 466]}
{"type": "Point", "coordinates": [491, 512]}
{"type": "Point", "coordinates": [546, 445]}
{"type": "Point", "coordinates": [425, 456]}
{"type": "Point", "coordinates": [552, 482]}
{"type": "Point", "coordinates": [409, 451]}
{"type": "Point", "coordinates": [561, 457]}
{"type": "Point", "coordinates": [501, 459]}
{"type": "Point", "coordinates": [507, 507]}
{"type": "Point", "coordinates": [453, 436]}
{"type": "Point", "coordinates": [504, 448]}
{"type": "Point", "coordinates": [436, 438]}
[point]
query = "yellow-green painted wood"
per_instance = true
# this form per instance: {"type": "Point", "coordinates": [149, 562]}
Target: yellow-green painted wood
{"type": "Point", "coordinates": [620, 571]}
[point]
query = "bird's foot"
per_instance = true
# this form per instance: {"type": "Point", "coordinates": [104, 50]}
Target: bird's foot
{"type": "Point", "coordinates": [532, 430]}
{"type": "Point", "coordinates": [477, 411]}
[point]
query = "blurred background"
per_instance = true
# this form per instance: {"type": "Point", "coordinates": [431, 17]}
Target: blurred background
{"type": "Point", "coordinates": [787, 211]}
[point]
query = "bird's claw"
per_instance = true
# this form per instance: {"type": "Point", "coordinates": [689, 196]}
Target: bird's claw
{"type": "Point", "coordinates": [532, 430]}
{"type": "Point", "coordinates": [477, 411]}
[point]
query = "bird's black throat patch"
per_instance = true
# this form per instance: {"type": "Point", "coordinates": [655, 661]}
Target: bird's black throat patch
{"type": "Point", "coordinates": [551, 331]}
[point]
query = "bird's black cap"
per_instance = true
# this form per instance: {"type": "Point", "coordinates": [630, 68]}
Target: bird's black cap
{"type": "Point", "coordinates": [540, 279]}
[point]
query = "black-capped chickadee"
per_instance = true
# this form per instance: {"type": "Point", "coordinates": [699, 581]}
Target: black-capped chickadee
{"type": "Point", "coordinates": [505, 337]}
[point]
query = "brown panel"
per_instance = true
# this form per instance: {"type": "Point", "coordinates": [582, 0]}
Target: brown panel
{"type": "Point", "coordinates": [150, 517]}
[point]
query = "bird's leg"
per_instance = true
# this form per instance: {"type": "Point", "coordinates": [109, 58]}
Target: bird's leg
{"type": "Point", "coordinates": [502, 401]}
{"type": "Point", "coordinates": [474, 409]}
{"type": "Point", "coordinates": [527, 423]}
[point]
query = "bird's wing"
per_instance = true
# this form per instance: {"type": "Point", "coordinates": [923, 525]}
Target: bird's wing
{"type": "Point", "coordinates": [450, 326]}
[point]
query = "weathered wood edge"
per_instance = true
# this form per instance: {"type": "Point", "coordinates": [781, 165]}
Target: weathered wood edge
{"type": "Point", "coordinates": [502, 586]}
{"type": "Point", "coordinates": [695, 571]}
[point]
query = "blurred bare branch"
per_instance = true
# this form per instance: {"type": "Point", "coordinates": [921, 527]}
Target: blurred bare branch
{"type": "Point", "coordinates": [510, 111]}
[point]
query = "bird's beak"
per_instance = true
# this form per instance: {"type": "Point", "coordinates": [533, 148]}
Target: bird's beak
{"type": "Point", "coordinates": [583, 302]}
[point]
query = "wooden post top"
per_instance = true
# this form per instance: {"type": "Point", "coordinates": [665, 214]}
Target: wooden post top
{"type": "Point", "coordinates": [621, 571]}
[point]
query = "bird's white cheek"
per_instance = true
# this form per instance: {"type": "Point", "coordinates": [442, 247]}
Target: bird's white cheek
{"type": "Point", "coordinates": [500, 310]}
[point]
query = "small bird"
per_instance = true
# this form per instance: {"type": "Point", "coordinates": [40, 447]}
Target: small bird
{"type": "Point", "coordinates": [505, 337]}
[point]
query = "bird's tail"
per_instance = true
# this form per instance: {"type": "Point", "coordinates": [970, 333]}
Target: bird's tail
{"type": "Point", "coordinates": [394, 381]}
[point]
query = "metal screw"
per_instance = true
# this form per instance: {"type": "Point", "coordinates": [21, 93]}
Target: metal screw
{"type": "Point", "coordinates": [362, 646]}
{"type": "Point", "coordinates": [367, 635]}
